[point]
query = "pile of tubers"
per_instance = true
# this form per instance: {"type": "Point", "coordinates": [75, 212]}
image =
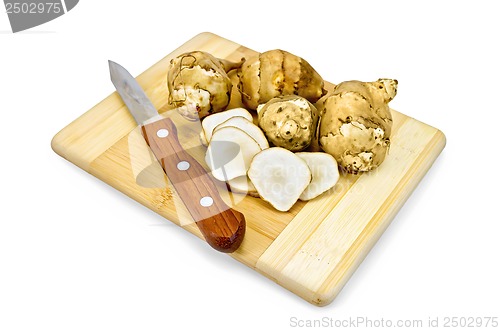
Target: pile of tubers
{"type": "Point", "coordinates": [271, 154]}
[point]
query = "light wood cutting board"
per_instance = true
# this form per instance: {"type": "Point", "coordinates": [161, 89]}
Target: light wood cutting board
{"type": "Point", "coordinates": [313, 249]}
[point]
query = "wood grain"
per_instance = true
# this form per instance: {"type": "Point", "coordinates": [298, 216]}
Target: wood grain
{"type": "Point", "coordinates": [313, 249]}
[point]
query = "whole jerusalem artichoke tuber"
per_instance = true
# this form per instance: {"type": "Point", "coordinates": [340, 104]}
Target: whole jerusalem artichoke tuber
{"type": "Point", "coordinates": [355, 124]}
{"type": "Point", "coordinates": [201, 79]}
{"type": "Point", "coordinates": [289, 121]}
{"type": "Point", "coordinates": [275, 73]}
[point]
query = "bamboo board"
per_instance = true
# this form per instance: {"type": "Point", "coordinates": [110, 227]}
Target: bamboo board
{"type": "Point", "coordinates": [313, 249]}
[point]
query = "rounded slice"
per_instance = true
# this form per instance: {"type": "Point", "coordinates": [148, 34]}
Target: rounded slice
{"type": "Point", "coordinates": [279, 177]}
{"type": "Point", "coordinates": [230, 152]}
{"type": "Point", "coordinates": [210, 122]}
{"type": "Point", "coordinates": [243, 184]}
{"type": "Point", "coordinates": [203, 139]}
{"type": "Point", "coordinates": [251, 129]}
{"type": "Point", "coordinates": [325, 173]}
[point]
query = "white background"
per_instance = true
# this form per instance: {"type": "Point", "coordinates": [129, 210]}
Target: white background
{"type": "Point", "coordinates": [77, 255]}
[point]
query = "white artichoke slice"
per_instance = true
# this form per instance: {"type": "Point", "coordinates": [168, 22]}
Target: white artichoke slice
{"type": "Point", "coordinates": [243, 184]}
{"type": "Point", "coordinates": [251, 129]}
{"type": "Point", "coordinates": [230, 152]}
{"type": "Point", "coordinates": [279, 177]}
{"type": "Point", "coordinates": [325, 173]}
{"type": "Point", "coordinates": [210, 122]}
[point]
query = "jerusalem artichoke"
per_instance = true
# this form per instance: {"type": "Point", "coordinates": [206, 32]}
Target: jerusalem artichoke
{"type": "Point", "coordinates": [355, 124]}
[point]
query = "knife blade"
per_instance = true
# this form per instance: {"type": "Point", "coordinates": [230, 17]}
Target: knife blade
{"type": "Point", "coordinates": [222, 227]}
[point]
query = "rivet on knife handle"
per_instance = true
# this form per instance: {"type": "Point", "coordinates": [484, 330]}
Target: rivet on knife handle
{"type": "Point", "coordinates": [222, 227]}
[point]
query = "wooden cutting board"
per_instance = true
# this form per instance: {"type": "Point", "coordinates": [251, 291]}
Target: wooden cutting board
{"type": "Point", "coordinates": [313, 249]}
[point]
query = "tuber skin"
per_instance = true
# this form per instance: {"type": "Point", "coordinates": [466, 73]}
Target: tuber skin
{"type": "Point", "coordinates": [355, 125]}
{"type": "Point", "coordinates": [289, 122]}
{"type": "Point", "coordinates": [276, 73]}
{"type": "Point", "coordinates": [201, 79]}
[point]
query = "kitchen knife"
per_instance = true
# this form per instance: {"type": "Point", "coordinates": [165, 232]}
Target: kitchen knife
{"type": "Point", "coordinates": [222, 226]}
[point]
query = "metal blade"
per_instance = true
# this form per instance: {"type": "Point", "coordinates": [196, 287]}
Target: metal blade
{"type": "Point", "coordinates": [132, 94]}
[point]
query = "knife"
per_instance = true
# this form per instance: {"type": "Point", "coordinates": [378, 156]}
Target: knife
{"type": "Point", "coordinates": [222, 226]}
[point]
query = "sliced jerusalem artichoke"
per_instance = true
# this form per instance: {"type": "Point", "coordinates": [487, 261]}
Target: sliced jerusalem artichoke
{"type": "Point", "coordinates": [289, 121]}
{"type": "Point", "coordinates": [275, 73]}
{"type": "Point", "coordinates": [355, 125]}
{"type": "Point", "coordinates": [279, 177]}
{"type": "Point", "coordinates": [210, 122]}
{"type": "Point", "coordinates": [251, 129]}
{"type": "Point", "coordinates": [243, 184]}
{"type": "Point", "coordinates": [230, 152]}
{"type": "Point", "coordinates": [325, 173]}
{"type": "Point", "coordinates": [201, 79]}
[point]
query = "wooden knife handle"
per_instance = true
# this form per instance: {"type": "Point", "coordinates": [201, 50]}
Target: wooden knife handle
{"type": "Point", "coordinates": [222, 227]}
